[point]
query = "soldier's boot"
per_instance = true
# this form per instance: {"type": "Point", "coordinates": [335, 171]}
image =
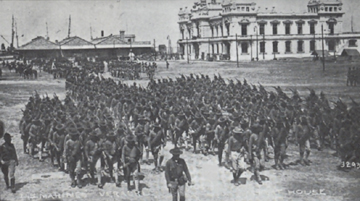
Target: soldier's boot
{"type": "Point", "coordinates": [73, 182]}
{"type": "Point", "coordinates": [302, 158]}
{"type": "Point", "coordinates": [65, 168]}
{"type": "Point", "coordinates": [227, 156]}
{"type": "Point", "coordinates": [160, 162]}
{"type": "Point", "coordinates": [234, 177]}
{"type": "Point", "coordinates": [137, 185]}
{"type": "Point", "coordinates": [306, 160]}
{"type": "Point", "coordinates": [281, 163]}
{"type": "Point", "coordinates": [40, 155]}
{"type": "Point", "coordinates": [238, 174]}
{"type": "Point", "coordinates": [78, 178]}
{"type": "Point", "coordinates": [182, 198]}
{"type": "Point", "coordinates": [147, 157]}
{"type": "Point", "coordinates": [257, 176]}
{"type": "Point", "coordinates": [92, 179]}
{"type": "Point", "coordinates": [276, 163]}
{"type": "Point", "coordinates": [13, 189]}
{"type": "Point", "coordinates": [118, 183]}
{"type": "Point", "coordinates": [7, 182]}
{"type": "Point", "coordinates": [220, 157]}
{"type": "Point", "coordinates": [100, 184]}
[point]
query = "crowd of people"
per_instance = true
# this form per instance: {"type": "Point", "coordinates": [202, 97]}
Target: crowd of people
{"type": "Point", "coordinates": [131, 70]}
{"type": "Point", "coordinates": [108, 125]}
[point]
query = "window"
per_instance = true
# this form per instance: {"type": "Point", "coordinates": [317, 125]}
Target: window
{"type": "Point", "coordinates": [244, 47]}
{"type": "Point", "coordinates": [262, 29]}
{"type": "Point", "coordinates": [275, 46]}
{"type": "Point", "coordinates": [262, 47]}
{"type": "Point", "coordinates": [312, 28]}
{"type": "Point", "coordinates": [330, 9]}
{"type": "Point", "coordinates": [217, 48]}
{"type": "Point", "coordinates": [335, 9]}
{"type": "Point", "coordinates": [182, 33]}
{"type": "Point", "coordinates": [288, 46]}
{"type": "Point", "coordinates": [326, 9]}
{"type": "Point", "coordinates": [312, 45]}
{"type": "Point", "coordinates": [228, 28]}
{"type": "Point", "coordinates": [212, 49]}
{"type": "Point", "coordinates": [300, 30]}
{"type": "Point", "coordinates": [244, 29]}
{"type": "Point", "coordinates": [352, 43]}
{"type": "Point", "coordinates": [212, 31]}
{"type": "Point", "coordinates": [247, 9]}
{"type": "Point", "coordinates": [331, 28]}
{"type": "Point", "coordinates": [274, 29]}
{"type": "Point", "coordinates": [300, 46]}
{"type": "Point", "coordinates": [287, 29]}
{"type": "Point", "coordinates": [332, 45]}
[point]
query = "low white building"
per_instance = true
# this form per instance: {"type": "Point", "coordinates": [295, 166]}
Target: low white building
{"type": "Point", "coordinates": [234, 30]}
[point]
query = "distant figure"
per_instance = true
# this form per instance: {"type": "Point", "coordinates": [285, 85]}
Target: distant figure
{"type": "Point", "coordinates": [131, 55]}
{"type": "Point", "coordinates": [167, 64]}
{"type": "Point", "coordinates": [8, 161]}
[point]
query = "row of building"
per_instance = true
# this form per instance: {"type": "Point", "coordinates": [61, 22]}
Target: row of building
{"type": "Point", "coordinates": [231, 30]}
{"type": "Point", "coordinates": [104, 46]}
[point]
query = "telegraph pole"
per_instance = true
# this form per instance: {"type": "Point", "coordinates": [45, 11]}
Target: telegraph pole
{"type": "Point", "coordinates": [187, 50]}
{"type": "Point", "coordinates": [155, 49]}
{"type": "Point", "coordinates": [322, 40]}
{"type": "Point", "coordinates": [237, 51]}
{"type": "Point", "coordinates": [264, 46]}
{"type": "Point", "coordinates": [257, 44]}
{"type": "Point", "coordinates": [251, 47]}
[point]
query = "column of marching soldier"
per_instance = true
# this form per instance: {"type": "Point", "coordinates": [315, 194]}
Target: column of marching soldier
{"type": "Point", "coordinates": [105, 127]}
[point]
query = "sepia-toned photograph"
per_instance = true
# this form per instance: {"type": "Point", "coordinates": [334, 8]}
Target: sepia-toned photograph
{"type": "Point", "coordinates": [199, 100]}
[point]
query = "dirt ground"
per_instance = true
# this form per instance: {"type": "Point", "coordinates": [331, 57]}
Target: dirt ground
{"type": "Point", "coordinates": [320, 181]}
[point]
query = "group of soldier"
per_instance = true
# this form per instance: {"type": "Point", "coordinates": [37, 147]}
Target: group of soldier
{"type": "Point", "coordinates": [108, 125]}
{"type": "Point", "coordinates": [353, 76]}
{"type": "Point", "coordinates": [131, 70]}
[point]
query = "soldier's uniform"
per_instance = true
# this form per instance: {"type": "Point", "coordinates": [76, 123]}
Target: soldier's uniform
{"type": "Point", "coordinates": [8, 161]}
{"type": "Point", "coordinates": [174, 174]}
{"type": "Point", "coordinates": [237, 153]}
{"type": "Point", "coordinates": [130, 157]}
{"type": "Point", "coordinates": [72, 155]}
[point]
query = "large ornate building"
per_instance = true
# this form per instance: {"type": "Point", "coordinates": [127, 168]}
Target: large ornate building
{"type": "Point", "coordinates": [234, 30]}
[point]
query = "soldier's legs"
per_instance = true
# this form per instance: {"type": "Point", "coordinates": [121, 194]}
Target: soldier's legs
{"type": "Point", "coordinates": [256, 168]}
{"type": "Point", "coordinates": [99, 168]}
{"type": "Point", "coordinates": [276, 156]}
{"type": "Point", "coordinates": [302, 150]}
{"type": "Point", "coordinates": [12, 175]}
{"type": "Point", "coordinates": [317, 139]}
{"type": "Point", "coordinates": [181, 190]}
{"type": "Point", "coordinates": [5, 171]}
{"type": "Point", "coordinates": [220, 152]}
{"type": "Point", "coordinates": [71, 168]}
{"type": "Point", "coordinates": [282, 155]}
{"type": "Point", "coordinates": [307, 152]}
{"type": "Point", "coordinates": [25, 142]}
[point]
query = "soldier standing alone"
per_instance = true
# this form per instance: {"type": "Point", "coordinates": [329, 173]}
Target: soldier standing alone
{"type": "Point", "coordinates": [8, 161]}
{"type": "Point", "coordinates": [174, 174]}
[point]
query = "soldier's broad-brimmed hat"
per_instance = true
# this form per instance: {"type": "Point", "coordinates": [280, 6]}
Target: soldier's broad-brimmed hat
{"type": "Point", "coordinates": [238, 130]}
{"type": "Point", "coordinates": [197, 116]}
{"type": "Point", "coordinates": [60, 127]}
{"type": "Point", "coordinates": [175, 151]}
{"type": "Point", "coordinates": [222, 120]}
{"type": "Point", "coordinates": [7, 135]}
{"type": "Point", "coordinates": [130, 138]}
{"type": "Point", "coordinates": [73, 131]}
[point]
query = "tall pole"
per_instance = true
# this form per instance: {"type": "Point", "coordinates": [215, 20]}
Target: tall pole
{"type": "Point", "coordinates": [187, 50]}
{"type": "Point", "coordinates": [209, 47]}
{"type": "Point", "coordinates": [237, 51]}
{"type": "Point", "coordinates": [257, 44]}
{"type": "Point", "coordinates": [323, 51]}
{"type": "Point", "coordinates": [264, 46]}
{"type": "Point", "coordinates": [251, 47]}
{"type": "Point", "coordinates": [155, 49]}
{"type": "Point", "coordinates": [69, 30]}
{"type": "Point", "coordinates": [12, 32]}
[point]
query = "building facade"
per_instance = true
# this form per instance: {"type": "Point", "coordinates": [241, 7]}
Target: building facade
{"type": "Point", "coordinates": [231, 30]}
{"type": "Point", "coordinates": [110, 46]}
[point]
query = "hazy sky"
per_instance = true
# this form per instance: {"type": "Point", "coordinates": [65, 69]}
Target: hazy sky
{"type": "Point", "coordinates": [147, 19]}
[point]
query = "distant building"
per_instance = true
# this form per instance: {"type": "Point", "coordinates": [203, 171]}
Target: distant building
{"type": "Point", "coordinates": [111, 46]}
{"type": "Point", "coordinates": [210, 28]}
